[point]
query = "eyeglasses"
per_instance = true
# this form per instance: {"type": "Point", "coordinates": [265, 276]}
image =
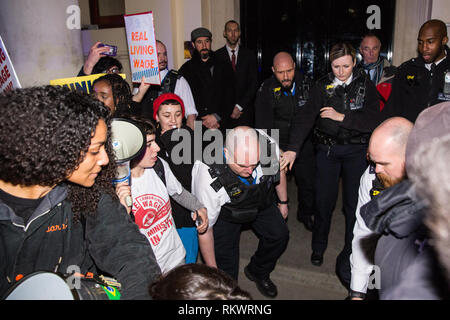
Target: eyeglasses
{"type": "Point", "coordinates": [112, 70]}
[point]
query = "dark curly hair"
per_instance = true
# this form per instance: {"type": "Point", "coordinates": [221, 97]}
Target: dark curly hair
{"type": "Point", "coordinates": [45, 133]}
{"type": "Point", "coordinates": [197, 282]}
{"type": "Point", "coordinates": [104, 63]}
{"type": "Point", "coordinates": [121, 93]}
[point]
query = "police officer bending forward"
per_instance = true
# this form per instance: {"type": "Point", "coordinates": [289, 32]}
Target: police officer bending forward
{"type": "Point", "coordinates": [240, 191]}
{"type": "Point", "coordinates": [343, 109]}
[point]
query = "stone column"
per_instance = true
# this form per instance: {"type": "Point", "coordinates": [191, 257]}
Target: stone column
{"type": "Point", "coordinates": [42, 38]}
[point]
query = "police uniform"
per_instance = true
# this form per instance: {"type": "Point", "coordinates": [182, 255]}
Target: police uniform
{"type": "Point", "coordinates": [361, 266]}
{"type": "Point", "coordinates": [340, 151]}
{"type": "Point", "coordinates": [275, 108]}
{"type": "Point", "coordinates": [417, 86]}
{"type": "Point", "coordinates": [232, 202]}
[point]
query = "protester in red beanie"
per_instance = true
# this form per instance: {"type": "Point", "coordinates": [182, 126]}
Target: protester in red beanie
{"type": "Point", "coordinates": [167, 99]}
{"type": "Point", "coordinates": [168, 111]}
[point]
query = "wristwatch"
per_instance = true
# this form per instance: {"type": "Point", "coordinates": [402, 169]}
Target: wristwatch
{"type": "Point", "coordinates": [356, 294]}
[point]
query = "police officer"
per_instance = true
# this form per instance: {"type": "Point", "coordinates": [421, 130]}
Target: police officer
{"type": "Point", "coordinates": [423, 81]}
{"type": "Point", "coordinates": [242, 191]}
{"type": "Point", "coordinates": [171, 82]}
{"type": "Point", "coordinates": [343, 108]}
{"type": "Point", "coordinates": [277, 101]}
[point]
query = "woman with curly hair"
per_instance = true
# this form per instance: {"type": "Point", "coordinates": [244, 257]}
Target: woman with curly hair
{"type": "Point", "coordinates": [58, 207]}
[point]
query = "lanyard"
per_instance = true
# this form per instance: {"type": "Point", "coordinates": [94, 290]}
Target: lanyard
{"type": "Point", "coordinates": [292, 92]}
{"type": "Point", "coordinates": [245, 181]}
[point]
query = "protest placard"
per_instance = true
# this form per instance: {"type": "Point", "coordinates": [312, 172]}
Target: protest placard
{"type": "Point", "coordinates": [8, 76]}
{"type": "Point", "coordinates": [142, 47]}
{"type": "Point", "coordinates": [79, 83]}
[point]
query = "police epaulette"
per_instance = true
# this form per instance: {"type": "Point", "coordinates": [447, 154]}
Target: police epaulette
{"type": "Point", "coordinates": [216, 185]}
{"type": "Point", "coordinates": [213, 172]}
{"type": "Point", "coordinates": [175, 73]}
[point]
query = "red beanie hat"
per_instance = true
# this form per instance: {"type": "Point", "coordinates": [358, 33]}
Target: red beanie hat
{"type": "Point", "coordinates": [166, 96]}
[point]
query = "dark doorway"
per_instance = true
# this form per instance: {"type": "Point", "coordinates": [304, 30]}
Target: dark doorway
{"type": "Point", "coordinates": [308, 28]}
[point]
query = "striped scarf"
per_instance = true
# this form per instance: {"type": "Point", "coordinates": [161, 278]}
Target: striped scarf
{"type": "Point", "coordinates": [378, 66]}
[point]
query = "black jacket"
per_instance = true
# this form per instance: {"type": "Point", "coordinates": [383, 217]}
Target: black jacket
{"type": "Point", "coordinates": [246, 80]}
{"type": "Point", "coordinates": [414, 88]}
{"type": "Point", "coordinates": [364, 120]}
{"type": "Point", "coordinates": [397, 216]}
{"type": "Point", "coordinates": [276, 110]}
{"type": "Point", "coordinates": [182, 171]}
{"type": "Point", "coordinates": [213, 93]}
{"type": "Point", "coordinates": [108, 241]}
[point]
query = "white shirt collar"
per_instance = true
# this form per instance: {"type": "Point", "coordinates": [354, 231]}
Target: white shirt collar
{"type": "Point", "coordinates": [163, 73]}
{"type": "Point", "coordinates": [236, 50]}
{"type": "Point", "coordinates": [428, 65]}
{"type": "Point", "coordinates": [338, 82]}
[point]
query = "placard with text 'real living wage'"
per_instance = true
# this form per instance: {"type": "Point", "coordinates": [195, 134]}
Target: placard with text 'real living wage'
{"type": "Point", "coordinates": [8, 76]}
{"type": "Point", "coordinates": [142, 47]}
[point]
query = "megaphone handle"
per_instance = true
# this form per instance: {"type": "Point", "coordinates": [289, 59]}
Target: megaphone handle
{"type": "Point", "coordinates": [129, 201]}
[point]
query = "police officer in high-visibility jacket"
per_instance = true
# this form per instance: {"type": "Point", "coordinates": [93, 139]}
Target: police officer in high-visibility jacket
{"type": "Point", "coordinates": [343, 110]}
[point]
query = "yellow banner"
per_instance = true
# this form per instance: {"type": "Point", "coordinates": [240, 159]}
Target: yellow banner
{"type": "Point", "coordinates": [80, 83]}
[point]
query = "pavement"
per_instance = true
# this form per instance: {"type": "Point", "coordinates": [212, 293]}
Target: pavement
{"type": "Point", "coordinates": [294, 275]}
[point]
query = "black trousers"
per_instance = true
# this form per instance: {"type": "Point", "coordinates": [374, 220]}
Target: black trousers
{"type": "Point", "coordinates": [304, 171]}
{"type": "Point", "coordinates": [272, 232]}
{"type": "Point", "coordinates": [333, 162]}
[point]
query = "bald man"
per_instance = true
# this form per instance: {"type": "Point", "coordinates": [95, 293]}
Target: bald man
{"type": "Point", "coordinates": [236, 192]}
{"type": "Point", "coordinates": [277, 101]}
{"type": "Point", "coordinates": [419, 82]}
{"type": "Point", "coordinates": [386, 153]}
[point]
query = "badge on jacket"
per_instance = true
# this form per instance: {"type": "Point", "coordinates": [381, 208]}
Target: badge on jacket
{"type": "Point", "coordinates": [411, 80]}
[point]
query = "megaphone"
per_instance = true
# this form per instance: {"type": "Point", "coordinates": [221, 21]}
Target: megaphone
{"type": "Point", "coordinates": [128, 142]}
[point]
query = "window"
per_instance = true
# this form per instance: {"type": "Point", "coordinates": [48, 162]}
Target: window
{"type": "Point", "coordinates": [107, 13]}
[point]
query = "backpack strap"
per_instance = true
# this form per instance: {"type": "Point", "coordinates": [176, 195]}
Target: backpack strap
{"type": "Point", "coordinates": [159, 169]}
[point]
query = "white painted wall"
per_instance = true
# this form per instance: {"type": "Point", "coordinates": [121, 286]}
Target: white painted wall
{"type": "Point", "coordinates": [441, 11]}
{"type": "Point", "coordinates": [39, 43]}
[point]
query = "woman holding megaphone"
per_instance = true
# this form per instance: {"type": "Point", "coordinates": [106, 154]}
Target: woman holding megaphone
{"type": "Point", "coordinates": [58, 206]}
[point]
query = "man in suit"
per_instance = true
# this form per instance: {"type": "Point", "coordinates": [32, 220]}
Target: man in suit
{"type": "Point", "coordinates": [244, 65]}
{"type": "Point", "coordinates": [211, 82]}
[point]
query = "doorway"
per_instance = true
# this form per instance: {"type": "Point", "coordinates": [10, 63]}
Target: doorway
{"type": "Point", "coordinates": [308, 28]}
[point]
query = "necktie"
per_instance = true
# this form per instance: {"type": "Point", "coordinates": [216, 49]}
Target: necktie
{"type": "Point", "coordinates": [433, 69]}
{"type": "Point", "coordinates": [233, 60]}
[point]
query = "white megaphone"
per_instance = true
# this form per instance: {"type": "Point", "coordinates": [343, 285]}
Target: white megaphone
{"type": "Point", "coordinates": [128, 141]}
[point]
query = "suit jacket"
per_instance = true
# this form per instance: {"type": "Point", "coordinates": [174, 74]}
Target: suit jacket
{"type": "Point", "coordinates": [246, 82]}
{"type": "Point", "coordinates": [212, 87]}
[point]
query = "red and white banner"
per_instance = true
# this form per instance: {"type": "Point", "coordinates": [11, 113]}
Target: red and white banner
{"type": "Point", "coordinates": [8, 76]}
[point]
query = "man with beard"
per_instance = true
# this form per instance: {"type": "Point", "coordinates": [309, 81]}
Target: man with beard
{"type": "Point", "coordinates": [211, 82]}
{"type": "Point", "coordinates": [277, 101]}
{"type": "Point", "coordinates": [244, 64]}
{"type": "Point", "coordinates": [419, 82]}
{"type": "Point", "coordinates": [386, 154]}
